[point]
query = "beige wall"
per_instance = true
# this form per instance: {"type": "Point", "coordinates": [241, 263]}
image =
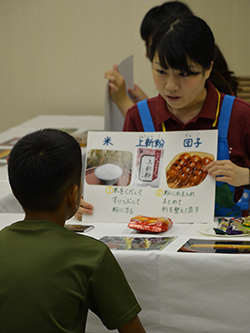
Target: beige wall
{"type": "Point", "coordinates": [54, 52]}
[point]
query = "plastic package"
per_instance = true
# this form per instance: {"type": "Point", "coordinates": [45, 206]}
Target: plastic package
{"type": "Point", "coordinates": [233, 226]}
{"type": "Point", "coordinates": [150, 224]}
{"type": "Point", "coordinates": [148, 167]}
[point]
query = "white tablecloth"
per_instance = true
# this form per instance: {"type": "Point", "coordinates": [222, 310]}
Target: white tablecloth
{"type": "Point", "coordinates": [184, 292]}
{"type": "Point", "coordinates": [81, 123]}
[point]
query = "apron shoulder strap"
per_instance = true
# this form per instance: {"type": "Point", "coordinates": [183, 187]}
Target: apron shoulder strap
{"type": "Point", "coordinates": [146, 117]}
{"type": "Point", "coordinates": [225, 114]}
{"type": "Point", "coordinates": [223, 124]}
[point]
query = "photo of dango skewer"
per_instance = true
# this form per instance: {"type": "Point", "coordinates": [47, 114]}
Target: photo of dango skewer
{"type": "Point", "coordinates": [187, 169]}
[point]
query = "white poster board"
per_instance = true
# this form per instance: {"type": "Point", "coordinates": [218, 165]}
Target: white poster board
{"type": "Point", "coordinates": [113, 118]}
{"type": "Point", "coordinates": [128, 174]}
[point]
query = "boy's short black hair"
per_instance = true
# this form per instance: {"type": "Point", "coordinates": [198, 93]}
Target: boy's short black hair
{"type": "Point", "coordinates": [42, 167]}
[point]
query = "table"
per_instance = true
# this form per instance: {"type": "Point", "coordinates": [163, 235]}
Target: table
{"type": "Point", "coordinates": [179, 292]}
{"type": "Point", "coordinates": [74, 124]}
{"type": "Point", "coordinates": [184, 292]}
{"type": "Point", "coordinates": [80, 123]}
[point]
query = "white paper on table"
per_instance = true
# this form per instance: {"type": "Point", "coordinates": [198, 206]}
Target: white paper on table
{"type": "Point", "coordinates": [113, 118]}
{"type": "Point", "coordinates": [126, 198]}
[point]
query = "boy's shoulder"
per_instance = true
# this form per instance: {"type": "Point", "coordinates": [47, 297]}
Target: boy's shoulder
{"type": "Point", "coordinates": [51, 232]}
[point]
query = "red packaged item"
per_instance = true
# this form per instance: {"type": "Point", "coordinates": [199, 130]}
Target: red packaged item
{"type": "Point", "coordinates": [150, 224]}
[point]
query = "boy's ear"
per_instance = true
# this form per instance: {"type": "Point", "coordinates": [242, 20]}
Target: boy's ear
{"type": "Point", "coordinates": [73, 196]}
{"type": "Point", "coordinates": [13, 193]}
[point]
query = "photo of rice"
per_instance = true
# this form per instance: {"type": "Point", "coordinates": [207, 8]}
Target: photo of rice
{"type": "Point", "coordinates": [108, 167]}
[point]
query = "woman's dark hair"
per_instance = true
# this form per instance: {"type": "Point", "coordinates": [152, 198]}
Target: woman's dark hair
{"type": "Point", "coordinates": [42, 167]}
{"type": "Point", "coordinates": [180, 39]}
{"type": "Point", "coordinates": [221, 71]}
{"type": "Point", "coordinates": [156, 15]}
{"type": "Point", "coordinates": [221, 77]}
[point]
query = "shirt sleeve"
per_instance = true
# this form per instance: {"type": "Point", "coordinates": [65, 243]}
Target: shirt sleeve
{"type": "Point", "coordinates": [247, 187]}
{"type": "Point", "coordinates": [110, 295]}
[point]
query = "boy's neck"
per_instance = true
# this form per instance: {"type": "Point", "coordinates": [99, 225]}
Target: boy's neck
{"type": "Point", "coordinates": [51, 216]}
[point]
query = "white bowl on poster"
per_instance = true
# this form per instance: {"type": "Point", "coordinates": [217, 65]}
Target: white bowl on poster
{"type": "Point", "coordinates": [109, 173]}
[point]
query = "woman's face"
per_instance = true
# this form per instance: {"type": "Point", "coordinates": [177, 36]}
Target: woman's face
{"type": "Point", "coordinates": [179, 89]}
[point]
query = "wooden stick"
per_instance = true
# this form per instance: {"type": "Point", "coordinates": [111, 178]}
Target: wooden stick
{"type": "Point", "coordinates": [221, 246]}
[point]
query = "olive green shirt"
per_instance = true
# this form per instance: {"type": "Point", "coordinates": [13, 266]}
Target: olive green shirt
{"type": "Point", "coordinates": [50, 277]}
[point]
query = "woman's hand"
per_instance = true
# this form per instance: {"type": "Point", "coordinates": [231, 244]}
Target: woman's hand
{"type": "Point", "coordinates": [84, 208]}
{"type": "Point", "coordinates": [228, 172]}
{"type": "Point", "coordinates": [117, 86]}
{"type": "Point", "coordinates": [137, 94]}
{"type": "Point", "coordinates": [117, 90]}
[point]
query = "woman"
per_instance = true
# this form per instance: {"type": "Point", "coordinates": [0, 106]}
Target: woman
{"type": "Point", "coordinates": [222, 78]}
{"type": "Point", "coordinates": [182, 56]}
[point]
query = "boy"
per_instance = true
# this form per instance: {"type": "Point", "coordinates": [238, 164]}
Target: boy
{"type": "Point", "coordinates": [51, 276]}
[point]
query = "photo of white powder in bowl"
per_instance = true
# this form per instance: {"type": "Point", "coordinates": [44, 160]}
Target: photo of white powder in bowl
{"type": "Point", "coordinates": [108, 167]}
{"type": "Point", "coordinates": [108, 173]}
